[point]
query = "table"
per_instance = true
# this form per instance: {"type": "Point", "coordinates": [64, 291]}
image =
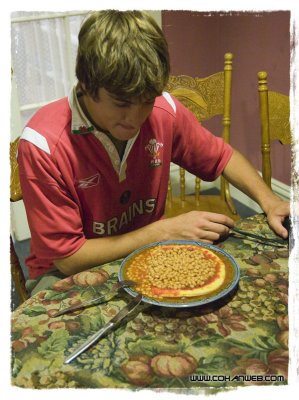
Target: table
{"type": "Point", "coordinates": [241, 341]}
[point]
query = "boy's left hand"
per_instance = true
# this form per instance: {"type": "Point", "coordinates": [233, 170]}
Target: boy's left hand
{"type": "Point", "coordinates": [276, 215]}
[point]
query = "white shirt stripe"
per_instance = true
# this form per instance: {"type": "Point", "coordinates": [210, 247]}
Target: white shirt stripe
{"type": "Point", "coordinates": [36, 138]}
{"type": "Point", "coordinates": [167, 96]}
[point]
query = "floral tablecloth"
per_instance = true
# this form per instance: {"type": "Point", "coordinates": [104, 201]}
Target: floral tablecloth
{"type": "Point", "coordinates": [241, 341]}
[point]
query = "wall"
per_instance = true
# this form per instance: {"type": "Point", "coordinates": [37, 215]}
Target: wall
{"type": "Point", "coordinates": [259, 41]}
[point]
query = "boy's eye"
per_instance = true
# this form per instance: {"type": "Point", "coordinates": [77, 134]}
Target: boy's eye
{"type": "Point", "coordinates": [122, 104]}
{"type": "Point", "coordinates": [149, 102]}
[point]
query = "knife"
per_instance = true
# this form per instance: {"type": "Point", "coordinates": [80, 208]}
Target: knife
{"type": "Point", "coordinates": [104, 297]}
{"type": "Point", "coordinates": [275, 242]}
{"type": "Point", "coordinates": [106, 328]}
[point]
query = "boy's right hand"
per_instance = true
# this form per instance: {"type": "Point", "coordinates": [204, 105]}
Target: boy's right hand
{"type": "Point", "coordinates": [196, 225]}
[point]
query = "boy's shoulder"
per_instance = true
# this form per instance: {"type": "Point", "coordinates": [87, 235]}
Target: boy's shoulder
{"type": "Point", "coordinates": [52, 116]}
{"type": "Point", "coordinates": [51, 121]}
{"type": "Point", "coordinates": [48, 127]}
{"type": "Point", "coordinates": [166, 103]}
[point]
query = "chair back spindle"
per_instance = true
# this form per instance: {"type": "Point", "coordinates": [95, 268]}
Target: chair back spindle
{"type": "Point", "coordinates": [274, 108]}
{"type": "Point", "coordinates": [205, 98]}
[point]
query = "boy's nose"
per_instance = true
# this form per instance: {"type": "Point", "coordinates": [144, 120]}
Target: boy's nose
{"type": "Point", "coordinates": [135, 115]}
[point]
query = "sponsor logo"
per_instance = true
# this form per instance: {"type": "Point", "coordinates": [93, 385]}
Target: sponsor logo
{"type": "Point", "coordinates": [89, 182]}
{"type": "Point", "coordinates": [154, 148]}
{"type": "Point", "coordinates": [115, 224]}
{"type": "Point", "coordinates": [125, 197]}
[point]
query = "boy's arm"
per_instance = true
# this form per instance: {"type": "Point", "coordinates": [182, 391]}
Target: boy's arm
{"type": "Point", "coordinates": [195, 225]}
{"type": "Point", "coordinates": [244, 176]}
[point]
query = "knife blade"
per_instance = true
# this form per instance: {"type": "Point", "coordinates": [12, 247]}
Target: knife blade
{"type": "Point", "coordinates": [105, 329]}
{"type": "Point", "coordinates": [104, 297]}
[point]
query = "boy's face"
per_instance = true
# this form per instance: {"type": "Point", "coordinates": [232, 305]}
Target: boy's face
{"type": "Point", "coordinates": [122, 119]}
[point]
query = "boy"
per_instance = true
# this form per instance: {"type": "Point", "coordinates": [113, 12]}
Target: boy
{"type": "Point", "coordinates": [94, 167]}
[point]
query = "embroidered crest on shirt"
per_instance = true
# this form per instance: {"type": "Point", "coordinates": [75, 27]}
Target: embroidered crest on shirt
{"type": "Point", "coordinates": [154, 148]}
{"type": "Point", "coordinates": [89, 182]}
{"type": "Point", "coordinates": [81, 130]}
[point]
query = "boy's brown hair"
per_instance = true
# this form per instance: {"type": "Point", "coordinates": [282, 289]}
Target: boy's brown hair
{"type": "Point", "coordinates": [124, 52]}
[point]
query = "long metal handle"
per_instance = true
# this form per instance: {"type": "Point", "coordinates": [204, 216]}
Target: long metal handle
{"type": "Point", "coordinates": [114, 321]}
{"type": "Point", "coordinates": [88, 342]}
{"type": "Point", "coordinates": [106, 296]}
{"type": "Point", "coordinates": [258, 238]}
{"type": "Point", "coordinates": [98, 300]}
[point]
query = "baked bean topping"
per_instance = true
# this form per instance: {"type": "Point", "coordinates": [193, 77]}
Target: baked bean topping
{"type": "Point", "coordinates": [172, 267]}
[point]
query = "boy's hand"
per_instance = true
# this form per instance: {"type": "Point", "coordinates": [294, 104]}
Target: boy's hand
{"type": "Point", "coordinates": [196, 225]}
{"type": "Point", "coordinates": [276, 215]}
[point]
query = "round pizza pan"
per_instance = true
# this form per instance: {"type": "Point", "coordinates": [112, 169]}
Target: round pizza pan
{"type": "Point", "coordinates": [227, 288]}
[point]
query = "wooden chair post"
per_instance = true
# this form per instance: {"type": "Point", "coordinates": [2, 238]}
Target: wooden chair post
{"type": "Point", "coordinates": [169, 193]}
{"type": "Point", "coordinates": [182, 184]}
{"type": "Point", "coordinates": [16, 195]}
{"type": "Point", "coordinates": [226, 122]}
{"type": "Point", "coordinates": [197, 191]}
{"type": "Point", "coordinates": [17, 274]}
{"type": "Point", "coordinates": [228, 60]}
{"type": "Point", "coordinates": [264, 117]}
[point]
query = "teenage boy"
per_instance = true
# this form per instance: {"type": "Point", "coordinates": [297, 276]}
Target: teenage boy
{"type": "Point", "coordinates": [94, 167]}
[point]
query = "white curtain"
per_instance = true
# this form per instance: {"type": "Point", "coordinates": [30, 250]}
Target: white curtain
{"type": "Point", "coordinates": [43, 48]}
{"type": "Point", "coordinates": [43, 57]}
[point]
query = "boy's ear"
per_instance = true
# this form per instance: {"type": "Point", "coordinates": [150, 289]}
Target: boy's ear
{"type": "Point", "coordinates": [82, 87]}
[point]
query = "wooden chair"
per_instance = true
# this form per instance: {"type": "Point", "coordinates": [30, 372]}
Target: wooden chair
{"type": "Point", "coordinates": [275, 122]}
{"type": "Point", "coordinates": [16, 195]}
{"type": "Point", "coordinates": [206, 98]}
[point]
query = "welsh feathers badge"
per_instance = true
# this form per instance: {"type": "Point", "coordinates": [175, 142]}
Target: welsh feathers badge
{"type": "Point", "coordinates": [154, 148]}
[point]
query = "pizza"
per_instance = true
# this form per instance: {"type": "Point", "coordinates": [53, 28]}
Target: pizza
{"type": "Point", "coordinates": [176, 271]}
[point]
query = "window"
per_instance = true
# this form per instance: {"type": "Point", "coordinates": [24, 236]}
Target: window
{"type": "Point", "coordinates": [43, 47]}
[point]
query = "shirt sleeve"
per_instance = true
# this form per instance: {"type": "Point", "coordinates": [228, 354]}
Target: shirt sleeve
{"type": "Point", "coordinates": [196, 149]}
{"type": "Point", "coordinates": [54, 216]}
